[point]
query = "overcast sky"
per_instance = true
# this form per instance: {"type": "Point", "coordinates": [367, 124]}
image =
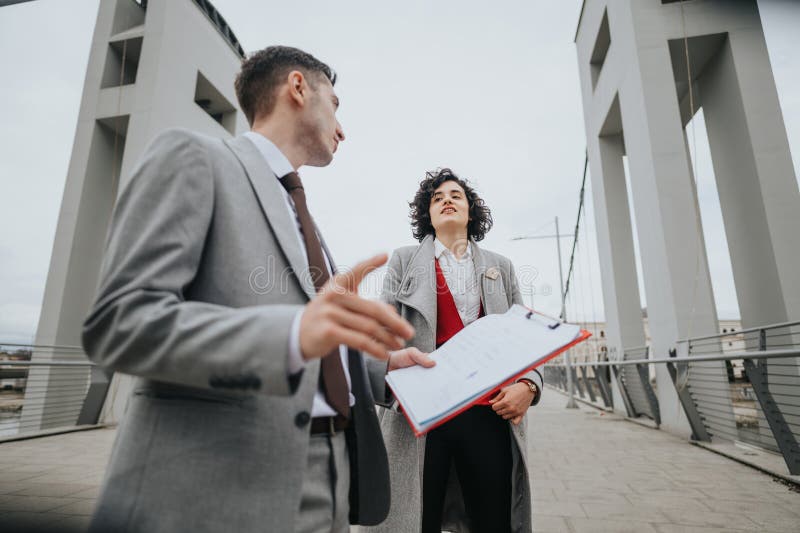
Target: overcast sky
{"type": "Point", "coordinates": [491, 92]}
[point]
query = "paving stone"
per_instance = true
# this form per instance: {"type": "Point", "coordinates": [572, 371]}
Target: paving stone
{"type": "Point", "coordinates": [91, 493]}
{"type": "Point", "coordinates": [666, 501]}
{"type": "Point", "coordinates": [680, 492]}
{"type": "Point", "coordinates": [84, 479]}
{"type": "Point", "coordinates": [550, 524]}
{"type": "Point", "coordinates": [727, 518]}
{"type": "Point", "coordinates": [547, 483]}
{"type": "Point", "coordinates": [8, 487]}
{"type": "Point", "coordinates": [601, 485]}
{"type": "Point", "coordinates": [52, 489]}
{"type": "Point", "coordinates": [587, 496]}
{"type": "Point", "coordinates": [79, 507]}
{"type": "Point", "coordinates": [543, 495]}
{"type": "Point", "coordinates": [560, 509]}
{"type": "Point", "coordinates": [751, 494]}
{"type": "Point", "coordinates": [775, 522]}
{"type": "Point", "coordinates": [792, 503]}
{"type": "Point", "coordinates": [35, 504]}
{"type": "Point", "coordinates": [594, 525]}
{"type": "Point", "coordinates": [33, 468]}
{"type": "Point", "coordinates": [70, 523]}
{"type": "Point", "coordinates": [653, 484]}
{"type": "Point", "coordinates": [626, 511]}
{"type": "Point", "coordinates": [775, 508]}
{"type": "Point", "coordinates": [23, 520]}
{"type": "Point", "coordinates": [11, 477]}
{"type": "Point", "coordinates": [677, 528]}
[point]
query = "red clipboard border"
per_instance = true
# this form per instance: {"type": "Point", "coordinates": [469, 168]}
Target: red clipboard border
{"type": "Point", "coordinates": [582, 337]}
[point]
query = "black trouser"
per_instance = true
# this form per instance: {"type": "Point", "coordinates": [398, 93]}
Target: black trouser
{"type": "Point", "coordinates": [478, 442]}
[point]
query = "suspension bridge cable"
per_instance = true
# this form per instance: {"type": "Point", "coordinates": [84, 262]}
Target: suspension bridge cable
{"type": "Point", "coordinates": [591, 281]}
{"type": "Point", "coordinates": [577, 224]}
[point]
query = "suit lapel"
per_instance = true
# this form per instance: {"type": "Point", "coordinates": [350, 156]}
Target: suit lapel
{"type": "Point", "coordinates": [270, 198]}
{"type": "Point", "coordinates": [418, 286]}
{"type": "Point", "coordinates": [493, 296]}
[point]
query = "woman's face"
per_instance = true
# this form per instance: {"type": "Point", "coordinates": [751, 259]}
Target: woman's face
{"type": "Point", "coordinates": [449, 208]}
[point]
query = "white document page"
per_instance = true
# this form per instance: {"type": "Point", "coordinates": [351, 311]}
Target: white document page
{"type": "Point", "coordinates": [477, 359]}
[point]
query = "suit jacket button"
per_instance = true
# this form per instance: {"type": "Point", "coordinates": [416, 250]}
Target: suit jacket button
{"type": "Point", "coordinates": [302, 419]}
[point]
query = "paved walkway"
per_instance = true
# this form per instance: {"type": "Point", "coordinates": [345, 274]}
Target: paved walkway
{"type": "Point", "coordinates": [591, 472]}
{"type": "Point", "coordinates": [52, 482]}
{"type": "Point", "coordinates": [596, 472]}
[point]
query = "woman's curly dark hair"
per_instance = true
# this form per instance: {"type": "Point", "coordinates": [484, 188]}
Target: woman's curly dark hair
{"type": "Point", "coordinates": [480, 217]}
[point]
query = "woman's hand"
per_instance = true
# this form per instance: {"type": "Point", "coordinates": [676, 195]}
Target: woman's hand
{"type": "Point", "coordinates": [512, 402]}
{"type": "Point", "coordinates": [409, 357]}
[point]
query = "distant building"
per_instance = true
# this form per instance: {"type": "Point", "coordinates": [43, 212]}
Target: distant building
{"type": "Point", "coordinates": [596, 347]}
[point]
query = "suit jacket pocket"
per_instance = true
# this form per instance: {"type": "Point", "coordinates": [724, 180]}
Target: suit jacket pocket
{"type": "Point", "coordinates": [178, 393]}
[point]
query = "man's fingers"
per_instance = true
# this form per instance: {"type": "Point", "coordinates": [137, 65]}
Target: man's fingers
{"type": "Point", "coordinates": [359, 341]}
{"type": "Point", "coordinates": [350, 279]}
{"type": "Point", "coordinates": [516, 420]}
{"type": "Point", "coordinates": [367, 326]}
{"type": "Point", "coordinates": [385, 315]}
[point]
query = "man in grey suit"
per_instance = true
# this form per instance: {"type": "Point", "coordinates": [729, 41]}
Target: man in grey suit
{"type": "Point", "coordinates": [253, 410]}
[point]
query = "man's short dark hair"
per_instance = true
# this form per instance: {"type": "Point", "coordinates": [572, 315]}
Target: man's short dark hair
{"type": "Point", "coordinates": [479, 214]}
{"type": "Point", "coordinates": [263, 71]}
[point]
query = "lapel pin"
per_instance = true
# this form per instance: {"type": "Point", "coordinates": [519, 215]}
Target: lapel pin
{"type": "Point", "coordinates": [492, 273]}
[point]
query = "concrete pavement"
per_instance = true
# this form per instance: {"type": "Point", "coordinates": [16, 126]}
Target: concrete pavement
{"type": "Point", "coordinates": [591, 472]}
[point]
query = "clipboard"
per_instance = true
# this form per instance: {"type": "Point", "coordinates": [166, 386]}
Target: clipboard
{"type": "Point", "coordinates": [421, 427]}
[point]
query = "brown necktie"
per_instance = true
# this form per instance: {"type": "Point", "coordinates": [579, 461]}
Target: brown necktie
{"type": "Point", "coordinates": [332, 378]}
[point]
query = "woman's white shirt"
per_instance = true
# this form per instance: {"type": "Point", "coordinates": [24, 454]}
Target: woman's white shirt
{"type": "Point", "coordinates": [461, 280]}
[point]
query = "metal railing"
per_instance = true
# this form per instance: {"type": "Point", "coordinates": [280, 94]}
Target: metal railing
{"type": "Point", "coordinates": [216, 19]}
{"type": "Point", "coordinates": [639, 396]}
{"type": "Point", "coordinates": [742, 386]}
{"type": "Point", "coordinates": [749, 399]}
{"type": "Point", "coordinates": [45, 388]}
{"type": "Point", "coordinates": [222, 26]}
{"type": "Point", "coordinates": [591, 377]}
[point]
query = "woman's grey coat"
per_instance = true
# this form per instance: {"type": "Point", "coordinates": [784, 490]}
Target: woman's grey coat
{"type": "Point", "coordinates": [410, 286]}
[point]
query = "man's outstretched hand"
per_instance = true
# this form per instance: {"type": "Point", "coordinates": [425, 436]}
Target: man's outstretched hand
{"type": "Point", "coordinates": [339, 316]}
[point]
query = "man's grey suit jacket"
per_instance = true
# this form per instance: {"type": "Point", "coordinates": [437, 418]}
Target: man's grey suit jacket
{"type": "Point", "coordinates": [202, 278]}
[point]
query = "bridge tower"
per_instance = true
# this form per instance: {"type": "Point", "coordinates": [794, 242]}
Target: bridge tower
{"type": "Point", "coordinates": [635, 82]}
{"type": "Point", "coordinates": [153, 65]}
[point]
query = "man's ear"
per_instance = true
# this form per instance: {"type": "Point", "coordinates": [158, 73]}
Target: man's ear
{"type": "Point", "coordinates": [298, 87]}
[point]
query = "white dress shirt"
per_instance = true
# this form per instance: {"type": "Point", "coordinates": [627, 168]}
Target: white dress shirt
{"type": "Point", "coordinates": [461, 280]}
{"type": "Point", "coordinates": [463, 284]}
{"type": "Point", "coordinates": [281, 166]}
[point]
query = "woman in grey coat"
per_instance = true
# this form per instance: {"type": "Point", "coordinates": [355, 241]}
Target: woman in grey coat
{"type": "Point", "coordinates": [469, 474]}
